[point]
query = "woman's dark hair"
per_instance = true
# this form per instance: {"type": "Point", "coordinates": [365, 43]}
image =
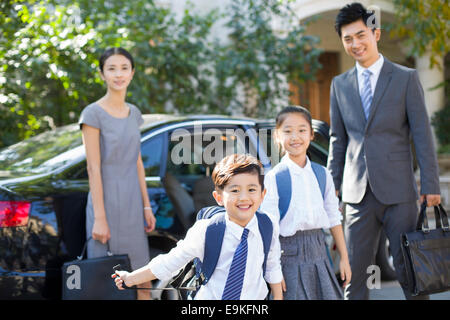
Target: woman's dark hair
{"type": "Point", "coordinates": [281, 116]}
{"type": "Point", "coordinates": [351, 13]}
{"type": "Point", "coordinates": [113, 51]}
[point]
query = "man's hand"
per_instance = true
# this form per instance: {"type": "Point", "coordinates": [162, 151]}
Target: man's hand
{"type": "Point", "coordinates": [432, 199]}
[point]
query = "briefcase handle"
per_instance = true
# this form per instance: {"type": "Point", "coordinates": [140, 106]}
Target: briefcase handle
{"type": "Point", "coordinates": [108, 251]}
{"type": "Point", "coordinates": [439, 214]}
{"type": "Point", "coordinates": [439, 210]}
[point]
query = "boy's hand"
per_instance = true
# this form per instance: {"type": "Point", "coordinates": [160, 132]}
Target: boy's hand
{"type": "Point", "coordinates": [346, 272]}
{"type": "Point", "coordinates": [120, 278]}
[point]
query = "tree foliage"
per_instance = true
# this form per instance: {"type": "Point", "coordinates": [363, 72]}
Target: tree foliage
{"type": "Point", "coordinates": [49, 51]}
{"type": "Point", "coordinates": [267, 48]}
{"type": "Point", "coordinates": [425, 27]}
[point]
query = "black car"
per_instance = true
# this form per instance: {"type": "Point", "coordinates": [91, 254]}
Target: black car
{"type": "Point", "coordinates": [44, 187]}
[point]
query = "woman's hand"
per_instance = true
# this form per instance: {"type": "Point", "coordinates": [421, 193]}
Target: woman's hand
{"type": "Point", "coordinates": [100, 231]}
{"type": "Point", "coordinates": [346, 271]}
{"type": "Point", "coordinates": [150, 219]}
{"type": "Point", "coordinates": [120, 278]}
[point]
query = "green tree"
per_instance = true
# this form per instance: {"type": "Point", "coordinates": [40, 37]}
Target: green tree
{"type": "Point", "coordinates": [424, 26]}
{"type": "Point", "coordinates": [49, 51]}
{"type": "Point", "coordinates": [259, 60]}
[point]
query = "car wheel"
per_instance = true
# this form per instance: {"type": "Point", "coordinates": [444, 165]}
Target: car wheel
{"type": "Point", "coordinates": [385, 260]}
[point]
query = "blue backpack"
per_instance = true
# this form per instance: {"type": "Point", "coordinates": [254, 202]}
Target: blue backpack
{"type": "Point", "coordinates": [202, 271]}
{"type": "Point", "coordinates": [284, 184]}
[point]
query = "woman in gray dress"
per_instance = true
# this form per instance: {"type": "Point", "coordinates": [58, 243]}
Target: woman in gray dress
{"type": "Point", "coordinates": [118, 202]}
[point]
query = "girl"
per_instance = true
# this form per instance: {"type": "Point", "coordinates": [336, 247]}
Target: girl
{"type": "Point", "coordinates": [306, 269]}
{"type": "Point", "coordinates": [118, 201]}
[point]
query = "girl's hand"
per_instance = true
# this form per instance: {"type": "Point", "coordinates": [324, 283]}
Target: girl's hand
{"type": "Point", "coordinates": [283, 285]}
{"type": "Point", "coordinates": [346, 272]}
{"type": "Point", "coordinates": [120, 277]}
{"type": "Point", "coordinates": [150, 219]}
{"type": "Point", "coordinates": [100, 231]}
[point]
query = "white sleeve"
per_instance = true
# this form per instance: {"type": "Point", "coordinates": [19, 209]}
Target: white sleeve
{"type": "Point", "coordinates": [331, 202]}
{"type": "Point", "coordinates": [166, 265]}
{"type": "Point", "coordinates": [274, 273]}
{"type": "Point", "coordinates": [270, 202]}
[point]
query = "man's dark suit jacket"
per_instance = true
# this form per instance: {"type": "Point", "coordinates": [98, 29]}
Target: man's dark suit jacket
{"type": "Point", "coordinates": [378, 151]}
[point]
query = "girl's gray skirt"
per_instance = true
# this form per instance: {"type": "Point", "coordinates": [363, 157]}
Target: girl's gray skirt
{"type": "Point", "coordinates": [306, 267]}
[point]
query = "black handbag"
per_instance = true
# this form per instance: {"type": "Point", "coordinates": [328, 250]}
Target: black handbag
{"type": "Point", "coordinates": [90, 279]}
{"type": "Point", "coordinates": [427, 254]}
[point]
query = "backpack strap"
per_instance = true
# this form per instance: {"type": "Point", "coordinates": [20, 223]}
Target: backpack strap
{"type": "Point", "coordinates": [213, 245]}
{"type": "Point", "coordinates": [266, 230]}
{"type": "Point", "coordinates": [209, 212]}
{"type": "Point", "coordinates": [284, 188]}
{"type": "Point", "coordinates": [214, 239]}
{"type": "Point", "coordinates": [284, 185]}
{"type": "Point", "coordinates": [321, 176]}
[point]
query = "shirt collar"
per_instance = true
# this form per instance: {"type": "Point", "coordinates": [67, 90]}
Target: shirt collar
{"type": "Point", "coordinates": [236, 230]}
{"type": "Point", "coordinates": [375, 68]}
{"type": "Point", "coordinates": [295, 167]}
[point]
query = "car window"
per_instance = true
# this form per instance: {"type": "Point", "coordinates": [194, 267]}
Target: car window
{"type": "Point", "coordinates": [44, 152]}
{"type": "Point", "coordinates": [194, 152]}
{"type": "Point", "coordinates": [317, 151]}
{"type": "Point", "coordinates": [321, 142]}
{"type": "Point", "coordinates": [151, 151]}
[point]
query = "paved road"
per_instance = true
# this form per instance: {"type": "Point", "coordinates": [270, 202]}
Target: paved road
{"type": "Point", "coordinates": [390, 290]}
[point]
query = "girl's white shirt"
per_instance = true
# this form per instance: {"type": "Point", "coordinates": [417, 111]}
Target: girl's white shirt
{"type": "Point", "coordinates": [307, 208]}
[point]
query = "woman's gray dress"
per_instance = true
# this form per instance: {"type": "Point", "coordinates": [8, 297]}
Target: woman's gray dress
{"type": "Point", "coordinates": [119, 148]}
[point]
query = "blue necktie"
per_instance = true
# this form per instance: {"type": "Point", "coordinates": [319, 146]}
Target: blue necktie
{"type": "Point", "coordinates": [366, 95]}
{"type": "Point", "coordinates": [233, 286]}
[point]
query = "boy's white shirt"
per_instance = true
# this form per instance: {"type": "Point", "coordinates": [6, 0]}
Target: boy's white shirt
{"type": "Point", "coordinates": [254, 286]}
{"type": "Point", "coordinates": [307, 208]}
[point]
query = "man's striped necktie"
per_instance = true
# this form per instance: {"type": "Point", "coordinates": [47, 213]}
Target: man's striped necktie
{"type": "Point", "coordinates": [366, 95]}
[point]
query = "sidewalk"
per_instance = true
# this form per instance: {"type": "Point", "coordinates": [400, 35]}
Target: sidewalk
{"type": "Point", "coordinates": [391, 290]}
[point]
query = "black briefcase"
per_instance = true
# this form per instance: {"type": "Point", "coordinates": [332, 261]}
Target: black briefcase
{"type": "Point", "coordinates": [427, 254]}
{"type": "Point", "coordinates": [90, 279]}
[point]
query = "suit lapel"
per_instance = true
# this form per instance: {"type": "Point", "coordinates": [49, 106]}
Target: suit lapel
{"type": "Point", "coordinates": [355, 98]}
{"type": "Point", "coordinates": [383, 81]}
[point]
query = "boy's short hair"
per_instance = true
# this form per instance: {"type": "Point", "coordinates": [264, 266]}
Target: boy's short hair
{"type": "Point", "coordinates": [349, 14]}
{"type": "Point", "coordinates": [235, 164]}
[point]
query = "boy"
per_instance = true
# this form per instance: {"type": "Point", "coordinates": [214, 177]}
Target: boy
{"type": "Point", "coordinates": [239, 187]}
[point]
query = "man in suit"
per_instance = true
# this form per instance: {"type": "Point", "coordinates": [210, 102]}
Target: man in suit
{"type": "Point", "coordinates": [375, 108]}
